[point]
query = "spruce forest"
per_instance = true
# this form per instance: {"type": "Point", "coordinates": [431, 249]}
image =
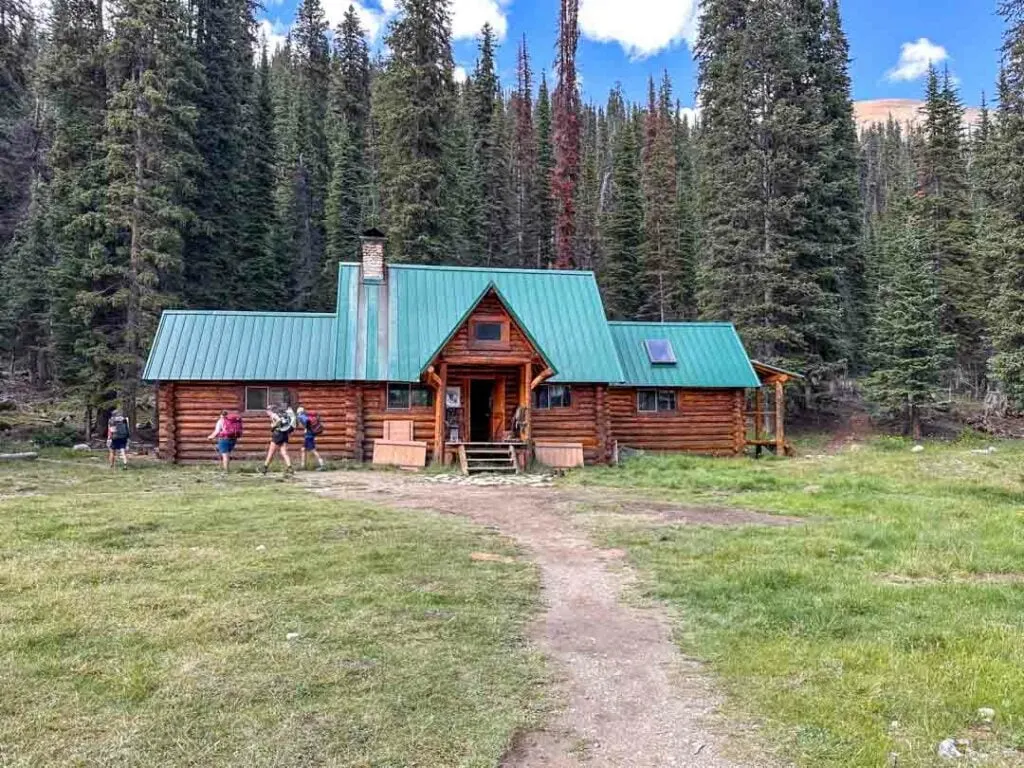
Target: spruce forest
{"type": "Point", "coordinates": [155, 154]}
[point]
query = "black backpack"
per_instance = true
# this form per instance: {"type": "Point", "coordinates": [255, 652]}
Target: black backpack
{"type": "Point", "coordinates": [119, 428]}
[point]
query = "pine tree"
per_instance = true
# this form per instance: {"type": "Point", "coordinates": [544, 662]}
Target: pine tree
{"type": "Point", "coordinates": [660, 273]}
{"type": "Point", "coordinates": [17, 156]}
{"type": "Point", "coordinates": [224, 36]}
{"type": "Point", "coordinates": [491, 156]}
{"type": "Point", "coordinates": [841, 216]}
{"type": "Point", "coordinates": [413, 104]}
{"type": "Point", "coordinates": [763, 136]}
{"type": "Point", "coordinates": [310, 162]}
{"type": "Point", "coordinates": [150, 165]}
{"type": "Point", "coordinates": [74, 78]}
{"type": "Point", "coordinates": [687, 224]}
{"type": "Point", "coordinates": [624, 233]}
{"type": "Point", "coordinates": [545, 171]}
{"type": "Point", "coordinates": [588, 198]}
{"type": "Point", "coordinates": [1007, 316]}
{"type": "Point", "coordinates": [257, 269]}
{"type": "Point", "coordinates": [566, 172]}
{"type": "Point", "coordinates": [347, 192]}
{"type": "Point", "coordinates": [526, 208]}
{"type": "Point", "coordinates": [25, 305]}
{"type": "Point", "coordinates": [907, 350]}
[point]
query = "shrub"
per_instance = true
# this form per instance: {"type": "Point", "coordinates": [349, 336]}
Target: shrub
{"type": "Point", "coordinates": [55, 436]}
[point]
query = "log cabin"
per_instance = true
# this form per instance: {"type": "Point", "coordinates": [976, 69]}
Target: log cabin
{"type": "Point", "coordinates": [502, 362]}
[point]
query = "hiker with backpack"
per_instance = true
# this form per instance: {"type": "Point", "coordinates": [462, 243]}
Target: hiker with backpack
{"type": "Point", "coordinates": [118, 433]}
{"type": "Point", "coordinates": [226, 432]}
{"type": "Point", "coordinates": [282, 424]}
{"type": "Point", "coordinates": [310, 420]}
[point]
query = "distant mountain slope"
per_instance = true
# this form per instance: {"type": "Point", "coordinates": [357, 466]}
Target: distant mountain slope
{"type": "Point", "coordinates": [903, 111]}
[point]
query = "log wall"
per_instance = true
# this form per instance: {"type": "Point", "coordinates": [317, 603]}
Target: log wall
{"type": "Point", "coordinates": [705, 421]}
{"type": "Point", "coordinates": [189, 413]}
{"type": "Point", "coordinates": [575, 424]}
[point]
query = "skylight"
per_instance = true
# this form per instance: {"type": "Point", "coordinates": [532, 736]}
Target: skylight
{"type": "Point", "coordinates": [659, 351]}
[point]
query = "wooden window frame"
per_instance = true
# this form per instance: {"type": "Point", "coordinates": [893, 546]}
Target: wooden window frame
{"type": "Point", "coordinates": [549, 407]}
{"type": "Point", "coordinates": [270, 401]}
{"type": "Point", "coordinates": [503, 343]}
{"type": "Point", "coordinates": [408, 386]}
{"type": "Point", "coordinates": [657, 392]}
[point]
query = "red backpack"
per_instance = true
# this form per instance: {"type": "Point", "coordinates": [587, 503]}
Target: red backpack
{"type": "Point", "coordinates": [232, 429]}
{"type": "Point", "coordinates": [313, 423]}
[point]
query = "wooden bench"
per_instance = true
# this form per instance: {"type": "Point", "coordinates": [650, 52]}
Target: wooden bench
{"type": "Point", "coordinates": [398, 448]}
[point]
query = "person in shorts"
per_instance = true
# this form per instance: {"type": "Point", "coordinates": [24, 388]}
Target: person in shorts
{"type": "Point", "coordinates": [225, 441]}
{"type": "Point", "coordinates": [282, 424]}
{"type": "Point", "coordinates": [309, 439]}
{"type": "Point", "coordinates": [118, 432]}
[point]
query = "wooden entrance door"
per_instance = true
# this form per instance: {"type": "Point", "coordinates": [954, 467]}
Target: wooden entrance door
{"type": "Point", "coordinates": [481, 403]}
{"type": "Point", "coordinates": [498, 410]}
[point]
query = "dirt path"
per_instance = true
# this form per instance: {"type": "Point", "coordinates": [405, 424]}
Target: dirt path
{"type": "Point", "coordinates": [630, 698]}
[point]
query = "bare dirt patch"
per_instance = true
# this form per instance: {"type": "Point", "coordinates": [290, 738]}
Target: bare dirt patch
{"type": "Point", "coordinates": [627, 696]}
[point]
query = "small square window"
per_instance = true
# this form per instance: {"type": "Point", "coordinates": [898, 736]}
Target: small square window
{"type": "Point", "coordinates": [666, 400]}
{"type": "Point", "coordinates": [647, 401]}
{"type": "Point", "coordinates": [398, 397]}
{"type": "Point", "coordinates": [487, 331]}
{"type": "Point", "coordinates": [402, 397]}
{"type": "Point", "coordinates": [256, 398]}
{"type": "Point", "coordinates": [552, 396]}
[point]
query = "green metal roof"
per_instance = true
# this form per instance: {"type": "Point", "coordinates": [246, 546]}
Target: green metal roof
{"type": "Point", "coordinates": [242, 346]}
{"type": "Point", "coordinates": [416, 309]}
{"type": "Point", "coordinates": [707, 354]}
{"type": "Point", "coordinates": [391, 330]}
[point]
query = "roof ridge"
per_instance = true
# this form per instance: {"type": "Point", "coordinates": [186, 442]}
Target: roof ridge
{"type": "Point", "coordinates": [247, 313]}
{"type": "Point", "coordinates": [674, 323]}
{"type": "Point", "coordinates": [514, 270]}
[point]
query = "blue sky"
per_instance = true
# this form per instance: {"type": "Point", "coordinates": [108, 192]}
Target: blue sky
{"type": "Point", "coordinates": [891, 41]}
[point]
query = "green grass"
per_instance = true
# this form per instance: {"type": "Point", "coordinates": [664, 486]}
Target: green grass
{"type": "Point", "coordinates": [900, 599]}
{"type": "Point", "coordinates": [144, 616]}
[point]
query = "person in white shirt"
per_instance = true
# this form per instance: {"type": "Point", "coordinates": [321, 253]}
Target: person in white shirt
{"type": "Point", "coordinates": [282, 424]}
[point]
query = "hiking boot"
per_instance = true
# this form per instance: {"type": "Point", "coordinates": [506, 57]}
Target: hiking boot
{"type": "Point", "coordinates": [289, 471]}
{"type": "Point", "coordinates": [124, 467]}
{"type": "Point", "coordinates": [262, 470]}
{"type": "Point", "coordinates": [322, 468]}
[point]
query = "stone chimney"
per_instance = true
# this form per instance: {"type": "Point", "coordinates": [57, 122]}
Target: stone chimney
{"type": "Point", "coordinates": [373, 254]}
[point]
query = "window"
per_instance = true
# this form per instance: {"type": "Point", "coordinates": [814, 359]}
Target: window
{"type": "Point", "coordinates": [655, 400]}
{"type": "Point", "coordinates": [552, 396]}
{"type": "Point", "coordinates": [401, 397]}
{"type": "Point", "coordinates": [261, 398]}
{"type": "Point", "coordinates": [489, 332]}
{"type": "Point", "coordinates": [659, 351]}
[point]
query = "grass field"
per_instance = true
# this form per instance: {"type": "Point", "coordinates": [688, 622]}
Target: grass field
{"type": "Point", "coordinates": [144, 621]}
{"type": "Point", "coordinates": [875, 629]}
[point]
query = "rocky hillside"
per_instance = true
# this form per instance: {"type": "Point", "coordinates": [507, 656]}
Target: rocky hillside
{"type": "Point", "coordinates": [903, 110]}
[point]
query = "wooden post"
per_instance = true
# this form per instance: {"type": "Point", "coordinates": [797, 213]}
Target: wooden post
{"type": "Point", "coordinates": [360, 431]}
{"type": "Point", "coordinates": [758, 412]}
{"type": "Point", "coordinates": [439, 383]}
{"type": "Point", "coordinates": [780, 419]}
{"type": "Point", "coordinates": [524, 400]}
{"type": "Point", "coordinates": [603, 423]}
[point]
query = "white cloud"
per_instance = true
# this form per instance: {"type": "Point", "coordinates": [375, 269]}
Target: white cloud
{"type": "Point", "coordinates": [273, 32]}
{"type": "Point", "coordinates": [469, 16]}
{"type": "Point", "coordinates": [372, 19]}
{"type": "Point", "coordinates": [691, 114]}
{"type": "Point", "coordinates": [459, 74]}
{"type": "Point", "coordinates": [915, 59]}
{"type": "Point", "coordinates": [642, 29]}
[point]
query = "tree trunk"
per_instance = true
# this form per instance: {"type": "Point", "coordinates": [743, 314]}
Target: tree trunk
{"type": "Point", "coordinates": [915, 422]}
